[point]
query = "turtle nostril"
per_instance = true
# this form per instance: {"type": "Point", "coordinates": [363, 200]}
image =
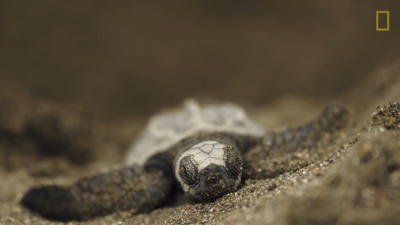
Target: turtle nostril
{"type": "Point", "coordinates": [213, 178]}
{"type": "Point", "coordinates": [214, 182]}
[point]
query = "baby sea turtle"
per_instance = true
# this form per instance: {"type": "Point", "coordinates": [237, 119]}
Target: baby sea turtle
{"type": "Point", "coordinates": [200, 149]}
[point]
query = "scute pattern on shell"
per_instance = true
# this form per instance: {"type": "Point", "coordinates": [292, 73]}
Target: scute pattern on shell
{"type": "Point", "coordinates": [166, 128]}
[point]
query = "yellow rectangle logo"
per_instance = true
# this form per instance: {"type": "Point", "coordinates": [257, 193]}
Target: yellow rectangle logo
{"type": "Point", "coordinates": [386, 28]}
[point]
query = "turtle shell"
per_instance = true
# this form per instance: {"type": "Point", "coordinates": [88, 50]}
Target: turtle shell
{"type": "Point", "coordinates": [168, 127]}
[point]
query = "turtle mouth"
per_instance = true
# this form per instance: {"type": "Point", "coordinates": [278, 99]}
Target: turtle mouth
{"type": "Point", "coordinates": [214, 182]}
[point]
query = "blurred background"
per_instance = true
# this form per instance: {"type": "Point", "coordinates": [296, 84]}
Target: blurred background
{"type": "Point", "coordinates": [135, 57]}
{"type": "Point", "coordinates": [79, 79]}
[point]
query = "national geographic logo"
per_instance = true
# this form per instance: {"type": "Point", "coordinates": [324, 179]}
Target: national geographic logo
{"type": "Point", "coordinates": [382, 20]}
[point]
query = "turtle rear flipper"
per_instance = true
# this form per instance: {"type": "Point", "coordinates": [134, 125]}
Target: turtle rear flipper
{"type": "Point", "coordinates": [117, 190]}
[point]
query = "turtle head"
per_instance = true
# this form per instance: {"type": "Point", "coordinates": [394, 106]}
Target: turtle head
{"type": "Point", "coordinates": [208, 170]}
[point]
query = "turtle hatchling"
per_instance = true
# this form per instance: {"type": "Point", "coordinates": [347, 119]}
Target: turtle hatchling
{"type": "Point", "coordinates": [205, 151]}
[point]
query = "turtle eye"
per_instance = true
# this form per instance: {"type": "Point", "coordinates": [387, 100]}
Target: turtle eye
{"type": "Point", "coordinates": [188, 171]}
{"type": "Point", "coordinates": [233, 162]}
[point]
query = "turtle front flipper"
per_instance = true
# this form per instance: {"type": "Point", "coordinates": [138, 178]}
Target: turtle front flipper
{"type": "Point", "coordinates": [121, 189]}
{"type": "Point", "coordinates": [316, 133]}
{"type": "Point", "coordinates": [293, 148]}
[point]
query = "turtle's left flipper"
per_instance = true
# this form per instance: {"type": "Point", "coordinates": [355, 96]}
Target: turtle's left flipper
{"type": "Point", "coordinates": [117, 190]}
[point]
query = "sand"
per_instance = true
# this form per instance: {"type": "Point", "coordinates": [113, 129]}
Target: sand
{"type": "Point", "coordinates": [355, 180]}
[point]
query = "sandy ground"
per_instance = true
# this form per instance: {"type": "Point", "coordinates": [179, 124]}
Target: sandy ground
{"type": "Point", "coordinates": [80, 79]}
{"type": "Point", "coordinates": [356, 181]}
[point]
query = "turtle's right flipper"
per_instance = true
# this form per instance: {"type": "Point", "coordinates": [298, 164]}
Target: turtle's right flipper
{"type": "Point", "coordinates": [315, 133]}
{"type": "Point", "coordinates": [291, 149]}
{"type": "Point", "coordinates": [117, 190]}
